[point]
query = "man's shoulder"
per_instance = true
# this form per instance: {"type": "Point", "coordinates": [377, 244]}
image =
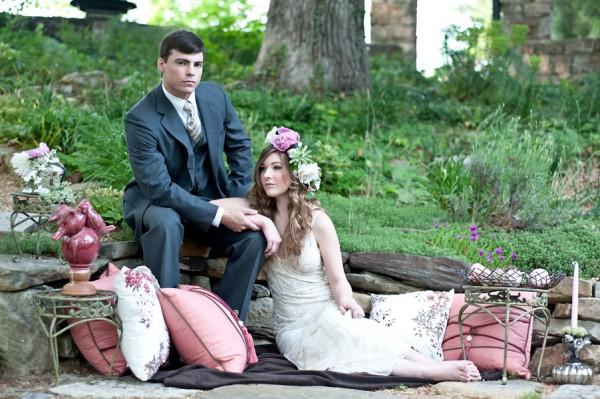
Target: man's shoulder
{"type": "Point", "coordinates": [209, 89]}
{"type": "Point", "coordinates": [145, 104]}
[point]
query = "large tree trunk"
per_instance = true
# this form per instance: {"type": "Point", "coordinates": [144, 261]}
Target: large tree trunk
{"type": "Point", "coordinates": [317, 44]}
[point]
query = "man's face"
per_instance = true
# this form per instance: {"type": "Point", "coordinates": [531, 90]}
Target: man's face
{"type": "Point", "coordinates": [181, 72]}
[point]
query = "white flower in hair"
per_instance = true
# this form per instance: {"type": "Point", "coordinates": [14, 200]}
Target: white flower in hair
{"type": "Point", "coordinates": [310, 175]}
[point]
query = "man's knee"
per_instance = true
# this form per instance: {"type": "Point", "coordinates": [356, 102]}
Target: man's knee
{"type": "Point", "coordinates": [164, 221]}
{"type": "Point", "coordinates": [254, 240]}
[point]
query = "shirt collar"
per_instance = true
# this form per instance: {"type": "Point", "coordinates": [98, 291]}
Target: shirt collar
{"type": "Point", "coordinates": [179, 102]}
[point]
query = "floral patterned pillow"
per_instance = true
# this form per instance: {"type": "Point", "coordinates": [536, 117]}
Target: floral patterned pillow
{"type": "Point", "coordinates": [420, 318]}
{"type": "Point", "coordinates": [145, 340]}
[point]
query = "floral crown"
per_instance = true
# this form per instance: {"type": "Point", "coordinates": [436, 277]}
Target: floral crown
{"type": "Point", "coordinates": [288, 141]}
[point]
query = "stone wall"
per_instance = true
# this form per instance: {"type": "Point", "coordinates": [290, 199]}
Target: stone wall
{"type": "Point", "coordinates": [559, 59]}
{"type": "Point", "coordinates": [394, 26]}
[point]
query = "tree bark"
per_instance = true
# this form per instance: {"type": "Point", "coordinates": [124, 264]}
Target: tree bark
{"type": "Point", "coordinates": [314, 44]}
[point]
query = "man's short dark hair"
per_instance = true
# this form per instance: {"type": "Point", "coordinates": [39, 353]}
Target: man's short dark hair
{"type": "Point", "coordinates": [180, 40]}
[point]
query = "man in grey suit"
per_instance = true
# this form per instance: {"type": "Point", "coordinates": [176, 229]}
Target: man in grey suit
{"type": "Point", "coordinates": [177, 136]}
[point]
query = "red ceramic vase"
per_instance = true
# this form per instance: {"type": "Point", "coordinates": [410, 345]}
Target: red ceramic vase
{"type": "Point", "coordinates": [81, 249]}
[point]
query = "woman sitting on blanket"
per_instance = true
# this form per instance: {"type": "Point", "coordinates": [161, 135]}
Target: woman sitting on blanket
{"type": "Point", "coordinates": [317, 322]}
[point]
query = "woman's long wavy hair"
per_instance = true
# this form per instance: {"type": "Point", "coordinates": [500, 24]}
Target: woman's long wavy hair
{"type": "Point", "coordinates": [299, 208]}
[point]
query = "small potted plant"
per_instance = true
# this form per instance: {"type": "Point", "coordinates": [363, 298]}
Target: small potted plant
{"type": "Point", "coordinates": [573, 371]}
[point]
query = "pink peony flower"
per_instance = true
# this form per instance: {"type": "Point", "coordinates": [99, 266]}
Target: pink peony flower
{"type": "Point", "coordinates": [284, 138]}
{"type": "Point", "coordinates": [39, 152]}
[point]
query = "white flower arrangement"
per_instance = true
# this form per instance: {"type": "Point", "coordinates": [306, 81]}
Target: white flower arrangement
{"type": "Point", "coordinates": [42, 172]}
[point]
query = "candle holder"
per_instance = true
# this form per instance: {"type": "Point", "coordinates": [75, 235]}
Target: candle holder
{"type": "Point", "coordinates": [574, 371]}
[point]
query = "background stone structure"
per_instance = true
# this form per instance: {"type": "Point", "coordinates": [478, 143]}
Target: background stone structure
{"type": "Point", "coordinates": [394, 26]}
{"type": "Point", "coordinates": [559, 59]}
{"type": "Point", "coordinates": [394, 23]}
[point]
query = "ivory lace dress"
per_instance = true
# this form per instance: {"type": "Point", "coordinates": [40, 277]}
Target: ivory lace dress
{"type": "Point", "coordinates": [310, 330]}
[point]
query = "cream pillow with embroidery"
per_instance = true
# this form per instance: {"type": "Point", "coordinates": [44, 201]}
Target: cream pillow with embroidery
{"type": "Point", "coordinates": [419, 318]}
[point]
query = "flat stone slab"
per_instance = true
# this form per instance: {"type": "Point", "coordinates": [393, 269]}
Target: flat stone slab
{"type": "Point", "coordinates": [130, 388]}
{"type": "Point", "coordinates": [25, 227]}
{"type": "Point", "coordinates": [571, 391]}
{"type": "Point", "coordinates": [125, 387]}
{"type": "Point", "coordinates": [29, 271]}
{"type": "Point", "coordinates": [514, 389]}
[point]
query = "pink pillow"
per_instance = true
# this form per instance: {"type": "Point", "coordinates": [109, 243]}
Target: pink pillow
{"type": "Point", "coordinates": [486, 349]}
{"type": "Point", "coordinates": [97, 340]}
{"type": "Point", "coordinates": [205, 330]}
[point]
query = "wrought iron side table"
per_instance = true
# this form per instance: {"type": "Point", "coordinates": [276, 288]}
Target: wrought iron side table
{"type": "Point", "coordinates": [485, 299]}
{"type": "Point", "coordinates": [55, 309]}
{"type": "Point", "coordinates": [34, 210]}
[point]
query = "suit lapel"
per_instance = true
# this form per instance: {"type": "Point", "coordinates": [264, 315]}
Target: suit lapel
{"type": "Point", "coordinates": [170, 120]}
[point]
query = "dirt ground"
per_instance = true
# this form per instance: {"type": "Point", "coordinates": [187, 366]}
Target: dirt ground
{"type": "Point", "coordinates": [9, 184]}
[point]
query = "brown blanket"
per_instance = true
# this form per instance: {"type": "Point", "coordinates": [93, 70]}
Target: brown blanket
{"type": "Point", "coordinates": [273, 368]}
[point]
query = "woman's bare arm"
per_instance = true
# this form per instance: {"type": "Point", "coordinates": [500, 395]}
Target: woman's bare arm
{"type": "Point", "coordinates": [329, 246]}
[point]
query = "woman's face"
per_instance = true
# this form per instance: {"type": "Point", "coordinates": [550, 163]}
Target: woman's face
{"type": "Point", "coordinates": [274, 176]}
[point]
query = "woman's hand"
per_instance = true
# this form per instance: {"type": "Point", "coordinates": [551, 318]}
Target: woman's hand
{"type": "Point", "coordinates": [272, 236]}
{"type": "Point", "coordinates": [349, 304]}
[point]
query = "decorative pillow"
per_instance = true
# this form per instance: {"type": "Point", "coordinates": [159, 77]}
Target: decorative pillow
{"type": "Point", "coordinates": [97, 340]}
{"type": "Point", "coordinates": [205, 330]}
{"type": "Point", "coordinates": [419, 317]}
{"type": "Point", "coordinates": [486, 346]}
{"type": "Point", "coordinates": [145, 341]}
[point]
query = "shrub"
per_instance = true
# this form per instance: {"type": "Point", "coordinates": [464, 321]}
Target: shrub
{"type": "Point", "coordinates": [512, 172]}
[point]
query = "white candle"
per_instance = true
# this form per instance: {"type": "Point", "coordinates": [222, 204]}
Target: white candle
{"type": "Point", "coordinates": [575, 300]}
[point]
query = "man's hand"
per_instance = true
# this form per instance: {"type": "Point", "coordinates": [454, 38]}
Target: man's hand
{"type": "Point", "coordinates": [235, 218]}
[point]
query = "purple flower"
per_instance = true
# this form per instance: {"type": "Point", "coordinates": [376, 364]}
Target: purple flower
{"type": "Point", "coordinates": [283, 139]}
{"type": "Point", "coordinates": [39, 152]}
{"type": "Point", "coordinates": [437, 225]}
{"type": "Point", "coordinates": [474, 236]}
{"type": "Point", "coordinates": [481, 252]}
{"type": "Point", "coordinates": [501, 257]}
{"type": "Point", "coordinates": [446, 225]}
{"type": "Point", "coordinates": [514, 256]}
{"type": "Point", "coordinates": [489, 257]}
{"type": "Point", "coordinates": [473, 229]}
{"type": "Point", "coordinates": [498, 251]}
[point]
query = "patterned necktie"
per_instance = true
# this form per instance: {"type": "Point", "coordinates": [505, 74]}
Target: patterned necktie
{"type": "Point", "coordinates": [192, 124]}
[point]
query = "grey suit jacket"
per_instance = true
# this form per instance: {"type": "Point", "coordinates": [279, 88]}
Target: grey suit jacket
{"type": "Point", "coordinates": [163, 162]}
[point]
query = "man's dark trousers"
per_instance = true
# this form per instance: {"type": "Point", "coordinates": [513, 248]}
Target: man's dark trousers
{"type": "Point", "coordinates": [162, 241]}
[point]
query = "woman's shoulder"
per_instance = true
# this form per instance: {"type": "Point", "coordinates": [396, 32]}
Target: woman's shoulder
{"type": "Point", "coordinates": [321, 222]}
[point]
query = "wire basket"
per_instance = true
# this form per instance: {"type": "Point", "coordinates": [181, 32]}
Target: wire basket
{"type": "Point", "coordinates": [511, 277]}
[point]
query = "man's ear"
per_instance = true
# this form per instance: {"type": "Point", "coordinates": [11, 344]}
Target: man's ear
{"type": "Point", "coordinates": [160, 64]}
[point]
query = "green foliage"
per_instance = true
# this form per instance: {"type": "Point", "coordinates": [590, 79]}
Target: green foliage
{"type": "Point", "coordinates": [492, 248]}
{"type": "Point", "coordinates": [513, 177]}
{"type": "Point", "coordinates": [490, 67]}
{"type": "Point", "coordinates": [400, 146]}
{"type": "Point", "coordinates": [575, 18]}
{"type": "Point", "coordinates": [448, 181]}
{"type": "Point", "coordinates": [28, 242]}
{"type": "Point", "coordinates": [107, 201]}
{"type": "Point", "coordinates": [555, 248]}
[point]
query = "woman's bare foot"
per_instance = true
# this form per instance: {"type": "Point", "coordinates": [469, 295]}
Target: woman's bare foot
{"type": "Point", "coordinates": [459, 370]}
{"type": "Point", "coordinates": [456, 370]}
{"type": "Point", "coordinates": [450, 370]}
